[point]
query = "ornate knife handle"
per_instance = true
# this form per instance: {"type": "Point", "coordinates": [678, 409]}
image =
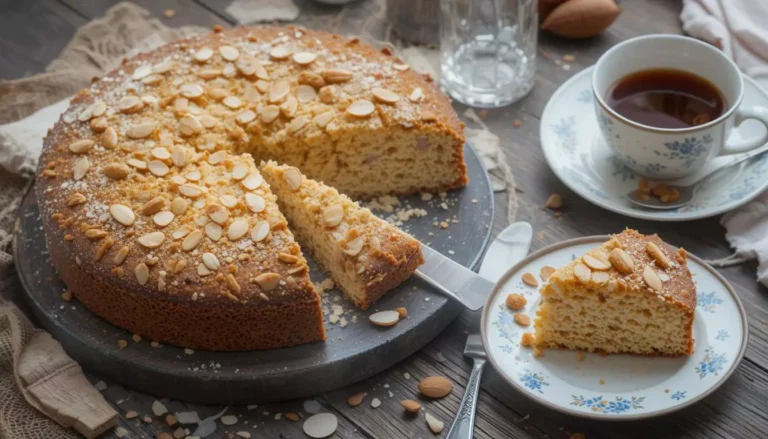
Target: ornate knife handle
{"type": "Point", "coordinates": [464, 423]}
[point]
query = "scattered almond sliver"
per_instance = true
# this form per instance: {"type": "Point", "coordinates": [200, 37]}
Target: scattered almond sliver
{"type": "Point", "coordinates": [385, 318]}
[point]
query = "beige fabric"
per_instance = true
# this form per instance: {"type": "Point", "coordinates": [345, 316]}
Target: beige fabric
{"type": "Point", "coordinates": [53, 383]}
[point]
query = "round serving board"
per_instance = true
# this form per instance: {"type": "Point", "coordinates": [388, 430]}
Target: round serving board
{"type": "Point", "coordinates": [351, 353]}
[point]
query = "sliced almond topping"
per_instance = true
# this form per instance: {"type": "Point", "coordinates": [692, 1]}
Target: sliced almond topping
{"type": "Point", "coordinates": [287, 258]}
{"type": "Point", "coordinates": [203, 54]}
{"type": "Point", "coordinates": [179, 206]}
{"type": "Point", "coordinates": [211, 261]}
{"type": "Point", "coordinates": [355, 246]}
{"type": "Point", "coordinates": [99, 124]}
{"type": "Point", "coordinates": [582, 272]}
{"type": "Point", "coordinates": [208, 121]}
{"type": "Point", "coordinates": [193, 176]}
{"type": "Point", "coordinates": [232, 284]}
{"type": "Point", "coordinates": [213, 231]}
{"type": "Point", "coordinates": [75, 199]}
{"type": "Point", "coordinates": [152, 80]}
{"type": "Point", "coordinates": [138, 164]}
{"type": "Point", "coordinates": [228, 201]}
{"type": "Point", "coordinates": [81, 146]}
{"type": "Point", "coordinates": [333, 215]}
{"type": "Point", "coordinates": [160, 153]}
{"type": "Point", "coordinates": [229, 53]}
{"type": "Point", "coordinates": [142, 273]}
{"type": "Point", "coordinates": [304, 58]}
{"type": "Point", "coordinates": [116, 171]}
{"type": "Point", "coordinates": [279, 91]}
{"type": "Point", "coordinates": [361, 108]}
{"type": "Point", "coordinates": [312, 79]}
{"type": "Point", "coordinates": [152, 206]}
{"type": "Point", "coordinates": [621, 261]}
{"type": "Point", "coordinates": [601, 277]}
{"type": "Point", "coordinates": [270, 113]}
{"type": "Point", "coordinates": [178, 179]}
{"type": "Point", "coordinates": [162, 219]}
{"type": "Point", "coordinates": [297, 124]}
{"type": "Point", "coordinates": [293, 177]}
{"type": "Point", "coordinates": [190, 190]}
{"type": "Point", "coordinates": [232, 102]}
{"type": "Point", "coordinates": [546, 272]}
{"type": "Point", "coordinates": [247, 65]}
{"type": "Point", "coordinates": [121, 255]}
{"type": "Point", "coordinates": [239, 171]}
{"type": "Point", "coordinates": [140, 130]}
{"type": "Point", "coordinates": [80, 168]}
{"type": "Point", "coordinates": [191, 90]}
{"type": "Point", "coordinates": [202, 270]}
{"type": "Point", "coordinates": [109, 138]}
{"type": "Point", "coordinates": [192, 240]}
{"type": "Point", "coordinates": [333, 76]}
{"type": "Point", "coordinates": [152, 240]}
{"type": "Point", "coordinates": [163, 67]}
{"type": "Point", "coordinates": [189, 125]}
{"type": "Point", "coordinates": [217, 157]}
{"type": "Point", "coordinates": [218, 213]}
{"type": "Point", "coordinates": [289, 107]}
{"type": "Point", "coordinates": [657, 255]}
{"type": "Point", "coordinates": [255, 203]}
{"type": "Point", "coordinates": [141, 72]}
{"type": "Point", "coordinates": [434, 424]}
{"type": "Point", "coordinates": [122, 214]}
{"type": "Point", "coordinates": [384, 95]}
{"type": "Point", "coordinates": [253, 181]}
{"type": "Point", "coordinates": [306, 93]}
{"type": "Point", "coordinates": [280, 52]}
{"type": "Point", "coordinates": [98, 108]}
{"type": "Point", "coordinates": [322, 119]}
{"type": "Point", "coordinates": [260, 231]}
{"type": "Point", "coordinates": [85, 115]}
{"type": "Point", "coordinates": [652, 279]}
{"type": "Point", "coordinates": [130, 104]}
{"type": "Point", "coordinates": [237, 229]}
{"type": "Point", "coordinates": [268, 281]}
{"type": "Point", "coordinates": [179, 156]}
{"type": "Point", "coordinates": [384, 318]}
{"type": "Point", "coordinates": [245, 117]}
{"type": "Point", "coordinates": [401, 67]}
{"type": "Point", "coordinates": [158, 168]}
{"type": "Point", "coordinates": [95, 234]}
{"type": "Point", "coordinates": [596, 263]}
{"type": "Point", "coordinates": [530, 279]}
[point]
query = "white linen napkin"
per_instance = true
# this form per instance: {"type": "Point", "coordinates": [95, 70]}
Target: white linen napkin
{"type": "Point", "coordinates": [738, 27]}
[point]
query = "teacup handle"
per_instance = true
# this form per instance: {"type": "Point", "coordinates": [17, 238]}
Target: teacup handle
{"type": "Point", "coordinates": [751, 112]}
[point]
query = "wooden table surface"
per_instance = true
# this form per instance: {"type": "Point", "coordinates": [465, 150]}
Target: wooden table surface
{"type": "Point", "coordinates": [33, 32]}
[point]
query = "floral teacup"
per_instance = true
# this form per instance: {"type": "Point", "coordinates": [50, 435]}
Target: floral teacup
{"type": "Point", "coordinates": [662, 153]}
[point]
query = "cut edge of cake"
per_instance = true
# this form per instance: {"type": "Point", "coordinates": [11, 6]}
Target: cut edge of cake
{"type": "Point", "coordinates": [365, 255]}
{"type": "Point", "coordinates": [633, 294]}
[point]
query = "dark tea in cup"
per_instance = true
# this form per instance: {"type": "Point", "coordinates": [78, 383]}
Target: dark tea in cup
{"type": "Point", "coordinates": [666, 98]}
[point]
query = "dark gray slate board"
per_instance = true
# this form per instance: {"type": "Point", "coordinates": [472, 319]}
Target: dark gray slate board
{"type": "Point", "coordinates": [350, 354]}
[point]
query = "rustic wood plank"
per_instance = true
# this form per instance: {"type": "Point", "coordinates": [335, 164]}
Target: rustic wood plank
{"type": "Point", "coordinates": [32, 33]}
{"type": "Point", "coordinates": [184, 12]}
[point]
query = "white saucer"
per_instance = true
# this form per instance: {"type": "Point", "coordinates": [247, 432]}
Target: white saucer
{"type": "Point", "coordinates": [578, 155]}
{"type": "Point", "coordinates": [615, 387]}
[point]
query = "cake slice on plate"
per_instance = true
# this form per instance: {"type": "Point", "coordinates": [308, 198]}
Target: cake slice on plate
{"type": "Point", "coordinates": [366, 256]}
{"type": "Point", "coordinates": [633, 294]}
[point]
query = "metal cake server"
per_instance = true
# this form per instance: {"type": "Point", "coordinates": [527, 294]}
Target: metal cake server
{"type": "Point", "coordinates": [464, 285]}
{"type": "Point", "coordinates": [509, 247]}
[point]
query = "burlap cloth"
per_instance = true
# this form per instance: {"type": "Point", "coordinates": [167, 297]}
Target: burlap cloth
{"type": "Point", "coordinates": [96, 48]}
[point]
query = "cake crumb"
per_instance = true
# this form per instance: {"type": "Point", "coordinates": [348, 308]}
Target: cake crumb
{"type": "Point", "coordinates": [426, 196]}
{"type": "Point", "coordinates": [569, 58]}
{"type": "Point", "coordinates": [527, 339]}
{"type": "Point", "coordinates": [188, 351]}
{"type": "Point", "coordinates": [538, 352]}
{"type": "Point", "coordinates": [402, 312]}
{"type": "Point", "coordinates": [555, 201]}
{"type": "Point", "coordinates": [602, 381]}
{"type": "Point", "coordinates": [580, 356]}
{"type": "Point", "coordinates": [516, 301]}
{"type": "Point", "coordinates": [136, 338]}
{"type": "Point", "coordinates": [577, 436]}
{"type": "Point", "coordinates": [517, 123]}
{"type": "Point", "coordinates": [66, 296]}
{"type": "Point", "coordinates": [325, 285]}
{"type": "Point", "coordinates": [169, 13]}
{"type": "Point", "coordinates": [522, 319]}
{"type": "Point", "coordinates": [122, 343]}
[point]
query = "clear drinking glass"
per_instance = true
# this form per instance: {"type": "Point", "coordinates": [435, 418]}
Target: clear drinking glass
{"type": "Point", "coordinates": [488, 50]}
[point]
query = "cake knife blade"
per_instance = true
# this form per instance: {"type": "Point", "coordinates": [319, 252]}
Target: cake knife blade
{"type": "Point", "coordinates": [464, 285]}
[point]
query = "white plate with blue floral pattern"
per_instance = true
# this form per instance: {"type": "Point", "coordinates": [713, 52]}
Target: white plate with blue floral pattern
{"type": "Point", "coordinates": [615, 387]}
{"type": "Point", "coordinates": [579, 156]}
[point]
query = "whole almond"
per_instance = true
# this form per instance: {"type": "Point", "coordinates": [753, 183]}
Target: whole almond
{"type": "Point", "coordinates": [581, 18]}
{"type": "Point", "coordinates": [530, 279]}
{"type": "Point", "coordinates": [657, 255]}
{"type": "Point", "coordinates": [546, 272]}
{"type": "Point", "coordinates": [435, 387]}
{"type": "Point", "coordinates": [356, 399]}
{"type": "Point", "coordinates": [410, 406]}
{"type": "Point", "coordinates": [621, 261]}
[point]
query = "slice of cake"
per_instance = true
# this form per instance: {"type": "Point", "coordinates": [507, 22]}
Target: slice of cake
{"type": "Point", "coordinates": [365, 255]}
{"type": "Point", "coordinates": [634, 294]}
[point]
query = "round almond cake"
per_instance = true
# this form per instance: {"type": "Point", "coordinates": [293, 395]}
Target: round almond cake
{"type": "Point", "coordinates": [156, 216]}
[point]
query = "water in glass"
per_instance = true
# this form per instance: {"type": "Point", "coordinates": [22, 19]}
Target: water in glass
{"type": "Point", "coordinates": [488, 50]}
